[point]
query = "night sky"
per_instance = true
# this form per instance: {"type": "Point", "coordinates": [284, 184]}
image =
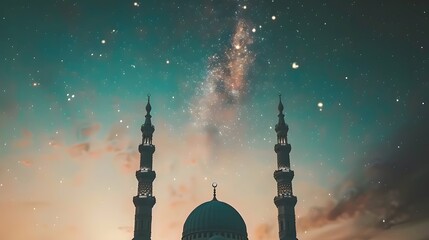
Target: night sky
{"type": "Point", "coordinates": [74, 80]}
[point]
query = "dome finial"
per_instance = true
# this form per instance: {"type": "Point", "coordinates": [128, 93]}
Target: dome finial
{"type": "Point", "coordinates": [214, 185]}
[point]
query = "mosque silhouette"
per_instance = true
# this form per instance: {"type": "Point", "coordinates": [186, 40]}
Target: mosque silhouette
{"type": "Point", "coordinates": [215, 220]}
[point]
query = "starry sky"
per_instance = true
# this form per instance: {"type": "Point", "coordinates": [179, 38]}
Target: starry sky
{"type": "Point", "coordinates": [74, 80]}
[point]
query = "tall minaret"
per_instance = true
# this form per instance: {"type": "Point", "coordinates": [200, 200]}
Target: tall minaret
{"type": "Point", "coordinates": [144, 201]}
{"type": "Point", "coordinates": [285, 200]}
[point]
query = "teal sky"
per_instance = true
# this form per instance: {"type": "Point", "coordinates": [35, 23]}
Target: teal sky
{"type": "Point", "coordinates": [74, 77]}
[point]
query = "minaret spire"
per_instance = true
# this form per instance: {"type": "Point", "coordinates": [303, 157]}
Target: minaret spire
{"type": "Point", "coordinates": [144, 201]}
{"type": "Point", "coordinates": [285, 200]}
{"type": "Point", "coordinates": [147, 128]}
{"type": "Point", "coordinates": [281, 127]}
{"type": "Point", "coordinates": [280, 107]}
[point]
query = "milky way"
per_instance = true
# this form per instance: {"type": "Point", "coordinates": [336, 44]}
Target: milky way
{"type": "Point", "coordinates": [217, 101]}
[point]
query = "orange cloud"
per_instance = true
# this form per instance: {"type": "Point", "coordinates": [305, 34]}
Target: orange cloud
{"type": "Point", "coordinates": [265, 231]}
{"type": "Point", "coordinates": [129, 161]}
{"type": "Point", "coordinates": [26, 163]}
{"type": "Point", "coordinates": [90, 130]}
{"type": "Point", "coordinates": [25, 141]}
{"type": "Point", "coordinates": [79, 150]}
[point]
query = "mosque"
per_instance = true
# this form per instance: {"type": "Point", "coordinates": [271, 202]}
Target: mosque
{"type": "Point", "coordinates": [215, 220]}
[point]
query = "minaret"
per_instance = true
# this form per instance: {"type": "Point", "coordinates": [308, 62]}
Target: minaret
{"type": "Point", "coordinates": [285, 200]}
{"type": "Point", "coordinates": [144, 201]}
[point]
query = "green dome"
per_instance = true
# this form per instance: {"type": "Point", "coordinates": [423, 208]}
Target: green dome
{"type": "Point", "coordinates": [214, 218]}
{"type": "Point", "coordinates": [217, 237]}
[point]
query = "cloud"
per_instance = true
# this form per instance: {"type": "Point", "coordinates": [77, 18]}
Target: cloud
{"type": "Point", "coordinates": [79, 149]}
{"type": "Point", "coordinates": [26, 163]}
{"type": "Point", "coordinates": [9, 106]}
{"type": "Point", "coordinates": [385, 189]}
{"type": "Point", "coordinates": [117, 138]}
{"type": "Point", "coordinates": [25, 141]}
{"type": "Point", "coordinates": [88, 131]}
{"type": "Point", "coordinates": [388, 185]}
{"type": "Point", "coordinates": [265, 232]}
{"type": "Point", "coordinates": [129, 161]}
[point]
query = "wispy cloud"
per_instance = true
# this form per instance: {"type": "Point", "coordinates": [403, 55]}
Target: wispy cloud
{"type": "Point", "coordinates": [382, 190]}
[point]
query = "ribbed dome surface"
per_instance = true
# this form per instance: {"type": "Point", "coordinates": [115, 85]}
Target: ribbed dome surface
{"type": "Point", "coordinates": [217, 238]}
{"type": "Point", "coordinates": [214, 216]}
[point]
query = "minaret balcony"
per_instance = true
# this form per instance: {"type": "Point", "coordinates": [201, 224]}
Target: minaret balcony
{"type": "Point", "coordinates": [285, 169]}
{"type": "Point", "coordinates": [285, 195]}
{"type": "Point", "coordinates": [144, 195]}
{"type": "Point", "coordinates": [284, 175]}
{"type": "Point", "coordinates": [280, 147]}
{"type": "Point", "coordinates": [146, 175]}
{"type": "Point", "coordinates": [146, 148]}
{"type": "Point", "coordinates": [144, 201]}
{"type": "Point", "coordinates": [285, 200]}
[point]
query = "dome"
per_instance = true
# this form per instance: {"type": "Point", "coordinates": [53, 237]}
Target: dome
{"type": "Point", "coordinates": [217, 237]}
{"type": "Point", "coordinates": [214, 218]}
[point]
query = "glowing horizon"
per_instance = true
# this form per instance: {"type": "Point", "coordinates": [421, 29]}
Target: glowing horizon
{"type": "Point", "coordinates": [73, 84]}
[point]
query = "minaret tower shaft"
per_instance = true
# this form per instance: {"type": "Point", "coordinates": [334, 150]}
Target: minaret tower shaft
{"type": "Point", "coordinates": [285, 200]}
{"type": "Point", "coordinates": [144, 201]}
